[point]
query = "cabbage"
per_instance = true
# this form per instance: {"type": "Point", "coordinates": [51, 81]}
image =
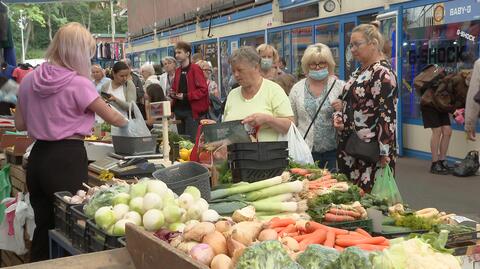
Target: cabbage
{"type": "Point", "coordinates": [103, 198]}
{"type": "Point", "coordinates": [134, 216]}
{"type": "Point", "coordinates": [120, 210]}
{"type": "Point", "coordinates": [185, 200]}
{"type": "Point", "coordinates": [105, 217]}
{"type": "Point", "coordinates": [121, 198]}
{"type": "Point", "coordinates": [157, 186]}
{"type": "Point", "coordinates": [153, 220]}
{"type": "Point", "coordinates": [139, 189]}
{"type": "Point", "coordinates": [152, 200]}
{"type": "Point", "coordinates": [193, 191]}
{"type": "Point", "coordinates": [119, 227]}
{"type": "Point", "coordinates": [172, 213]}
{"type": "Point", "coordinates": [136, 204]}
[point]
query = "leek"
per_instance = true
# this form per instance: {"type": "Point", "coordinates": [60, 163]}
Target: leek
{"type": "Point", "coordinates": [244, 188]}
{"type": "Point", "coordinates": [278, 198]}
{"type": "Point", "coordinates": [300, 206]}
{"type": "Point", "coordinates": [289, 187]}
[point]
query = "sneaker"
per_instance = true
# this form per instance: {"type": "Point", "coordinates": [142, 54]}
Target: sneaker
{"type": "Point", "coordinates": [445, 165]}
{"type": "Point", "coordinates": [437, 168]}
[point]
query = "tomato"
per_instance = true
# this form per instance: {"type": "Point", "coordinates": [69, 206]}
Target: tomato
{"type": "Point", "coordinates": [205, 157]}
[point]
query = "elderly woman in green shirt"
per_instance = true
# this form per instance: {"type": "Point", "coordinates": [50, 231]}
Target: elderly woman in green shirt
{"type": "Point", "coordinates": [259, 102]}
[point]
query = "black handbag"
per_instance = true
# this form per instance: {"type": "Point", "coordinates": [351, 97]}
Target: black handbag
{"type": "Point", "coordinates": [468, 166]}
{"type": "Point", "coordinates": [366, 151]}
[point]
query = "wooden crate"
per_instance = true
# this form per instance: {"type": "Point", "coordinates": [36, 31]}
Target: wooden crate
{"type": "Point", "coordinates": [11, 259]}
{"type": "Point", "coordinates": [18, 177]}
{"type": "Point", "coordinates": [149, 252]}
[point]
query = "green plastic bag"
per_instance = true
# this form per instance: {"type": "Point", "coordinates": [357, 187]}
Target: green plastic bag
{"type": "Point", "coordinates": [385, 186]}
{"type": "Point", "coordinates": [5, 188]}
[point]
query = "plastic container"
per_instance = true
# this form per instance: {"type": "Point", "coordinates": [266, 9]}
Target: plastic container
{"type": "Point", "coordinates": [259, 146]}
{"type": "Point", "coordinates": [130, 146]}
{"type": "Point", "coordinates": [98, 240]}
{"type": "Point", "coordinates": [252, 171]}
{"type": "Point", "coordinates": [61, 210]}
{"type": "Point", "coordinates": [178, 177]}
{"type": "Point", "coordinates": [258, 155]}
{"type": "Point", "coordinates": [367, 225]}
{"type": "Point", "coordinates": [78, 231]}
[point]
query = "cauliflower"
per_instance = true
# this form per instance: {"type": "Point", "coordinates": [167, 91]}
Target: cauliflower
{"type": "Point", "coordinates": [266, 255]}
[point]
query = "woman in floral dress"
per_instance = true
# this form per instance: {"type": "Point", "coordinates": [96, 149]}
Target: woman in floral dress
{"type": "Point", "coordinates": [368, 107]}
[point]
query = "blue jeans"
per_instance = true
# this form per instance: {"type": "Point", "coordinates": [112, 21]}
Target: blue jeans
{"type": "Point", "coordinates": [326, 159]}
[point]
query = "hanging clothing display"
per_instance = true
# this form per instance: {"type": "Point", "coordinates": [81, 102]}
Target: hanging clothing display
{"type": "Point", "coordinates": [109, 51]}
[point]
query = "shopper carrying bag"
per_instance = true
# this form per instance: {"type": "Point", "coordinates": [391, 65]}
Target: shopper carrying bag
{"type": "Point", "coordinates": [298, 149]}
{"type": "Point", "coordinates": [136, 127]}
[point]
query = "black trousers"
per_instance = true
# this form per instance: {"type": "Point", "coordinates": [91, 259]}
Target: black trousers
{"type": "Point", "coordinates": [187, 126]}
{"type": "Point", "coordinates": [52, 166]}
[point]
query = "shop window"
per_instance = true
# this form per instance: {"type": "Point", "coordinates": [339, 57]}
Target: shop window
{"type": "Point", "coordinates": [287, 52]}
{"type": "Point", "coordinates": [275, 39]}
{"type": "Point", "coordinates": [253, 41]}
{"type": "Point", "coordinates": [349, 62]}
{"type": "Point", "coordinates": [153, 58]}
{"type": "Point", "coordinates": [225, 68]}
{"type": "Point", "coordinates": [427, 39]}
{"type": "Point", "coordinates": [301, 39]}
{"type": "Point", "coordinates": [328, 34]}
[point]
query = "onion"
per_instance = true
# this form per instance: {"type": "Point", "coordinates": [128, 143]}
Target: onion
{"type": "Point", "coordinates": [267, 234]}
{"type": "Point", "coordinates": [217, 241]}
{"type": "Point", "coordinates": [202, 253]}
{"type": "Point", "coordinates": [221, 261]}
{"type": "Point", "coordinates": [223, 226]}
{"type": "Point", "coordinates": [291, 243]}
{"type": "Point", "coordinates": [199, 231]}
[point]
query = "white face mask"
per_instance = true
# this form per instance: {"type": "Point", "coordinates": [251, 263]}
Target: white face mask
{"type": "Point", "coordinates": [266, 63]}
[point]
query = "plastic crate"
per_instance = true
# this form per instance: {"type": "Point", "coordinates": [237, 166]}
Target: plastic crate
{"type": "Point", "coordinates": [249, 164]}
{"type": "Point", "coordinates": [78, 230]}
{"type": "Point", "coordinates": [257, 155]}
{"type": "Point", "coordinates": [123, 241]}
{"type": "Point", "coordinates": [61, 210]}
{"type": "Point", "coordinates": [98, 240]}
{"type": "Point", "coordinates": [178, 177]}
{"type": "Point", "coordinates": [367, 225]}
{"type": "Point", "coordinates": [252, 171]}
{"type": "Point", "coordinates": [259, 146]}
{"type": "Point", "coordinates": [124, 145]}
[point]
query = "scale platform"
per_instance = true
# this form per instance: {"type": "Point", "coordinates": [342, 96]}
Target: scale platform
{"type": "Point", "coordinates": [120, 167]}
{"type": "Point", "coordinates": [129, 157]}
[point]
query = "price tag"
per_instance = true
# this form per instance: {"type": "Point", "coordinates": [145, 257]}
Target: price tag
{"type": "Point", "coordinates": [460, 219]}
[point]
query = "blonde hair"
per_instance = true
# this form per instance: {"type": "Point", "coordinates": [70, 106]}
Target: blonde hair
{"type": "Point", "coordinates": [204, 64]}
{"type": "Point", "coordinates": [318, 51]}
{"type": "Point", "coordinates": [371, 34]}
{"type": "Point", "coordinates": [72, 47]}
{"type": "Point", "coordinates": [265, 47]}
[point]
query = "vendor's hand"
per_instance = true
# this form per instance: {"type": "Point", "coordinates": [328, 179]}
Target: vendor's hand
{"type": "Point", "coordinates": [112, 98]}
{"type": "Point", "coordinates": [257, 119]}
{"type": "Point", "coordinates": [384, 161]}
{"type": "Point", "coordinates": [470, 135]}
{"type": "Point", "coordinates": [337, 104]}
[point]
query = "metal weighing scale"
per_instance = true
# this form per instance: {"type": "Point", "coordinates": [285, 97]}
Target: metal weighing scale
{"type": "Point", "coordinates": [138, 166]}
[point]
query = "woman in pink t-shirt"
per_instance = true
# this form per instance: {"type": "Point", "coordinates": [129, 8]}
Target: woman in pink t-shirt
{"type": "Point", "coordinates": [57, 105]}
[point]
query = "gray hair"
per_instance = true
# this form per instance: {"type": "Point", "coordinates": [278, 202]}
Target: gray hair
{"type": "Point", "coordinates": [148, 68]}
{"type": "Point", "coordinates": [245, 54]}
{"type": "Point", "coordinates": [128, 62]}
{"type": "Point", "coordinates": [169, 59]}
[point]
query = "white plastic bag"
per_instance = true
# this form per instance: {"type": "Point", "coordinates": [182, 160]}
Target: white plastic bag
{"type": "Point", "coordinates": [24, 218]}
{"type": "Point", "coordinates": [298, 149]}
{"type": "Point", "coordinates": [136, 127]}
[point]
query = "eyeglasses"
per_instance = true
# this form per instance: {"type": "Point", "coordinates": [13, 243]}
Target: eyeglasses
{"type": "Point", "coordinates": [319, 65]}
{"type": "Point", "coordinates": [207, 70]}
{"type": "Point", "coordinates": [357, 44]}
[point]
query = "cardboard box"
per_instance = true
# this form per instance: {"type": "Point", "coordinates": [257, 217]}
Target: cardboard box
{"type": "Point", "coordinates": [18, 172]}
{"type": "Point", "coordinates": [149, 252]}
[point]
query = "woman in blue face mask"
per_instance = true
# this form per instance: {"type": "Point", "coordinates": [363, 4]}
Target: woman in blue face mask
{"type": "Point", "coordinates": [269, 59]}
{"type": "Point", "coordinates": [319, 86]}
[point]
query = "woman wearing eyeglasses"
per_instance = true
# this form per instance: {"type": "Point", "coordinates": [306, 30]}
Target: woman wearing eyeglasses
{"type": "Point", "coordinates": [320, 87]}
{"type": "Point", "coordinates": [368, 108]}
{"type": "Point", "coordinates": [215, 102]}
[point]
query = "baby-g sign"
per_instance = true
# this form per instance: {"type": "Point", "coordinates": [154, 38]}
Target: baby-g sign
{"type": "Point", "coordinates": [462, 10]}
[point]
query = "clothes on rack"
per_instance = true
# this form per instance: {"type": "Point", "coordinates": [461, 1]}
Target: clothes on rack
{"type": "Point", "coordinates": [109, 51]}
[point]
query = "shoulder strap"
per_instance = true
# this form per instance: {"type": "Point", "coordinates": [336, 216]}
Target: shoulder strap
{"type": "Point", "coordinates": [318, 110]}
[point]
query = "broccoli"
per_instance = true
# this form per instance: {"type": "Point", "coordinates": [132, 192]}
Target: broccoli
{"type": "Point", "coordinates": [354, 258]}
{"type": "Point", "coordinates": [318, 257]}
{"type": "Point", "coordinates": [266, 255]}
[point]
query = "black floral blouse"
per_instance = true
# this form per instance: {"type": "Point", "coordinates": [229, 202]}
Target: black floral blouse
{"type": "Point", "coordinates": [370, 109]}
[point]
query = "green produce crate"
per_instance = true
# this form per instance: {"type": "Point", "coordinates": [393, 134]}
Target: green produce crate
{"type": "Point", "coordinates": [367, 225]}
{"type": "Point", "coordinates": [390, 231]}
{"type": "Point", "coordinates": [78, 230]}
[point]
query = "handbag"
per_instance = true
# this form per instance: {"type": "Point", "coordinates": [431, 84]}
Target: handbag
{"type": "Point", "coordinates": [318, 110]}
{"type": "Point", "coordinates": [468, 166]}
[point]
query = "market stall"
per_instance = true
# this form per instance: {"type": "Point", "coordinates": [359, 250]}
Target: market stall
{"type": "Point", "coordinates": [244, 205]}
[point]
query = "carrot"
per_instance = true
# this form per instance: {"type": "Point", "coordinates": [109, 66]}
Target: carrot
{"type": "Point", "coordinates": [353, 242]}
{"type": "Point", "coordinates": [312, 226]}
{"type": "Point", "coordinates": [385, 243]}
{"type": "Point", "coordinates": [329, 217]}
{"type": "Point", "coordinates": [362, 231]}
{"type": "Point", "coordinates": [330, 240]}
{"type": "Point", "coordinates": [299, 171]}
{"type": "Point", "coordinates": [358, 234]}
{"type": "Point", "coordinates": [279, 229]}
{"type": "Point", "coordinates": [291, 234]}
{"type": "Point", "coordinates": [341, 212]}
{"type": "Point", "coordinates": [317, 237]}
{"type": "Point", "coordinates": [307, 175]}
{"type": "Point", "coordinates": [339, 248]}
{"type": "Point", "coordinates": [301, 237]}
{"type": "Point", "coordinates": [352, 237]}
{"type": "Point", "coordinates": [274, 223]}
{"type": "Point", "coordinates": [289, 229]}
{"type": "Point", "coordinates": [370, 247]}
